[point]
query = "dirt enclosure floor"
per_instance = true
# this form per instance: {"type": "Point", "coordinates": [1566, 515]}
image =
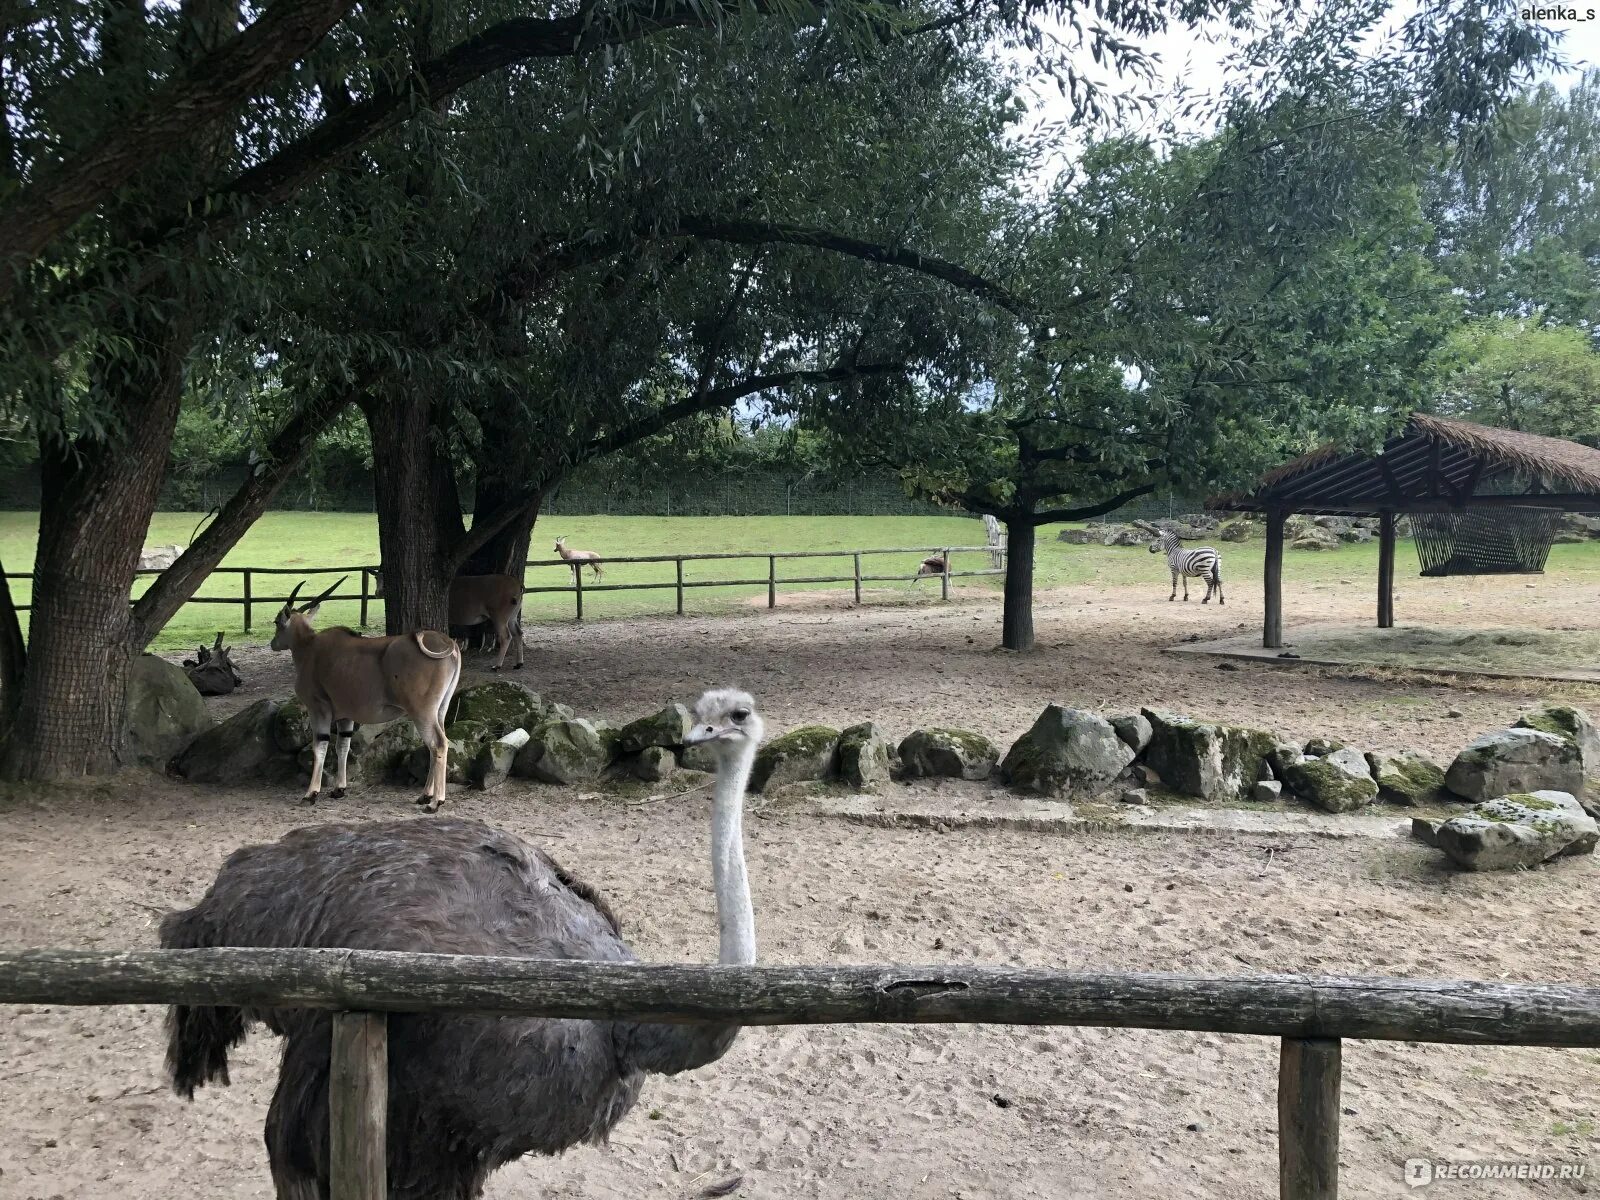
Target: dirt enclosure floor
{"type": "Point", "coordinates": [991, 1113]}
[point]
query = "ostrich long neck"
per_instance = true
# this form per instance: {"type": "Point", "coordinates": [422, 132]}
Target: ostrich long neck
{"type": "Point", "coordinates": [736, 920]}
{"type": "Point", "coordinates": [666, 1049]}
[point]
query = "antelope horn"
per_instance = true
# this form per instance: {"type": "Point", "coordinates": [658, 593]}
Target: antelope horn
{"type": "Point", "coordinates": [310, 604]}
{"type": "Point", "coordinates": [289, 603]}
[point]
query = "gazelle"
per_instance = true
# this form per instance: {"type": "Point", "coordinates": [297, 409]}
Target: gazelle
{"type": "Point", "coordinates": [346, 680]}
{"type": "Point", "coordinates": [474, 599]}
{"type": "Point", "coordinates": [579, 558]}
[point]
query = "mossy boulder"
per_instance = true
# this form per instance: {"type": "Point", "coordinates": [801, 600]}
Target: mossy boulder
{"type": "Point", "coordinates": [1519, 830]}
{"type": "Point", "coordinates": [1067, 750]}
{"type": "Point", "coordinates": [947, 753]}
{"type": "Point", "coordinates": [863, 756]}
{"type": "Point", "coordinates": [562, 751]}
{"type": "Point", "coordinates": [652, 764]}
{"type": "Point", "coordinates": [500, 705]}
{"type": "Point", "coordinates": [810, 752]}
{"type": "Point", "coordinates": [1321, 747]}
{"type": "Point", "coordinates": [1572, 724]}
{"type": "Point", "coordinates": [162, 712]}
{"type": "Point", "coordinates": [669, 728]}
{"type": "Point", "coordinates": [466, 740]}
{"type": "Point", "coordinates": [1407, 777]}
{"type": "Point", "coordinates": [291, 726]}
{"type": "Point", "coordinates": [491, 764]}
{"type": "Point", "coordinates": [699, 757]}
{"type": "Point", "coordinates": [240, 750]}
{"type": "Point", "coordinates": [1238, 530]}
{"type": "Point", "coordinates": [1215, 762]}
{"type": "Point", "coordinates": [384, 758]}
{"type": "Point", "coordinates": [1341, 782]}
{"type": "Point", "coordinates": [1134, 729]}
{"type": "Point", "coordinates": [1511, 761]}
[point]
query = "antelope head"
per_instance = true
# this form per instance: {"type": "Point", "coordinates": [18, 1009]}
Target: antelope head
{"type": "Point", "coordinates": [561, 543]}
{"type": "Point", "coordinates": [293, 624]}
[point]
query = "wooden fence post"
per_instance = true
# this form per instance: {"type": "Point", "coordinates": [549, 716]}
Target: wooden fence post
{"type": "Point", "coordinates": [247, 599]}
{"type": "Point", "coordinates": [679, 564]}
{"type": "Point", "coordinates": [358, 1107]}
{"type": "Point", "coordinates": [1308, 1119]}
{"type": "Point", "coordinates": [857, 558]}
{"type": "Point", "coordinates": [772, 581]}
{"type": "Point", "coordinates": [364, 597]}
{"type": "Point", "coordinates": [1386, 532]}
{"type": "Point", "coordinates": [577, 590]}
{"type": "Point", "coordinates": [944, 576]}
{"type": "Point", "coordinates": [1272, 582]}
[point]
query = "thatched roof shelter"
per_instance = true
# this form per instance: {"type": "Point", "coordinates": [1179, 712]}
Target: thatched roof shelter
{"type": "Point", "coordinates": [1483, 500]}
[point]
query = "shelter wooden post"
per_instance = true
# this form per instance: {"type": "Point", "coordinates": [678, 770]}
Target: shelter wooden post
{"type": "Point", "coordinates": [358, 1106]}
{"type": "Point", "coordinates": [1272, 581]}
{"type": "Point", "coordinates": [1308, 1119]}
{"type": "Point", "coordinates": [1386, 530]}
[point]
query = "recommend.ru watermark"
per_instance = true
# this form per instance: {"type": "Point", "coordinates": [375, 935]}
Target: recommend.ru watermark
{"type": "Point", "coordinates": [1419, 1172]}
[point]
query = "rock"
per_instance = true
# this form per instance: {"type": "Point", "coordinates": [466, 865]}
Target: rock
{"type": "Point", "coordinates": [1267, 791]}
{"type": "Point", "coordinates": [1078, 537]}
{"type": "Point", "coordinates": [1425, 831]}
{"type": "Point", "coordinates": [1134, 730]}
{"type": "Point", "coordinates": [1214, 762]}
{"type": "Point", "coordinates": [466, 741]}
{"type": "Point", "coordinates": [1238, 530]}
{"type": "Point", "coordinates": [241, 749]}
{"type": "Point", "coordinates": [1203, 522]}
{"type": "Point", "coordinates": [1515, 760]}
{"type": "Point", "coordinates": [1315, 539]}
{"type": "Point", "coordinates": [491, 765]}
{"type": "Point", "coordinates": [500, 705]}
{"type": "Point", "coordinates": [1067, 750]}
{"type": "Point", "coordinates": [1356, 534]}
{"type": "Point", "coordinates": [1146, 775]}
{"type": "Point", "coordinates": [159, 558]}
{"type": "Point", "coordinates": [863, 756]}
{"type": "Point", "coordinates": [1134, 796]}
{"type": "Point", "coordinates": [162, 712]}
{"type": "Point", "coordinates": [384, 758]}
{"type": "Point", "coordinates": [948, 753]}
{"type": "Point", "coordinates": [669, 727]}
{"type": "Point", "coordinates": [652, 764]}
{"type": "Point", "coordinates": [1454, 712]}
{"type": "Point", "coordinates": [1518, 830]}
{"type": "Point", "coordinates": [1338, 783]}
{"type": "Point", "coordinates": [1320, 747]}
{"type": "Point", "coordinates": [291, 726]}
{"type": "Point", "coordinates": [810, 752]}
{"type": "Point", "coordinates": [1334, 525]}
{"type": "Point", "coordinates": [699, 757]}
{"type": "Point", "coordinates": [1125, 535]}
{"type": "Point", "coordinates": [1407, 777]}
{"type": "Point", "coordinates": [1571, 724]}
{"type": "Point", "coordinates": [1284, 755]}
{"type": "Point", "coordinates": [562, 750]}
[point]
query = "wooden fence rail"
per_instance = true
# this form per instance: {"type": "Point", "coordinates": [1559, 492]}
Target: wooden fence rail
{"type": "Point", "coordinates": [770, 579]}
{"type": "Point", "coordinates": [1310, 1014]}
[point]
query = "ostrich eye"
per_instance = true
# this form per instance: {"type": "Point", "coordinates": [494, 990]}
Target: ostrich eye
{"type": "Point", "coordinates": [739, 714]}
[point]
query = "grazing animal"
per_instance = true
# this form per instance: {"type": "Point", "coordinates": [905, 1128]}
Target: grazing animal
{"type": "Point", "coordinates": [211, 670]}
{"type": "Point", "coordinates": [474, 599]}
{"type": "Point", "coordinates": [1203, 563]}
{"type": "Point", "coordinates": [578, 558]}
{"type": "Point", "coordinates": [346, 680]}
{"type": "Point", "coordinates": [934, 564]}
{"type": "Point", "coordinates": [467, 1093]}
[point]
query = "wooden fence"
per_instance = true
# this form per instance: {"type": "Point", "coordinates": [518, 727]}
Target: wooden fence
{"type": "Point", "coordinates": [1311, 1014]}
{"type": "Point", "coordinates": [368, 591]}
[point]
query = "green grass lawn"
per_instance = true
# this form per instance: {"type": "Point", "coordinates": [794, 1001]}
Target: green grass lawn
{"type": "Point", "coordinates": [338, 541]}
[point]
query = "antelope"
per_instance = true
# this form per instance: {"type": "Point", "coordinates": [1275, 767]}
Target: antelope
{"type": "Point", "coordinates": [345, 680]}
{"type": "Point", "coordinates": [578, 558]}
{"type": "Point", "coordinates": [474, 599]}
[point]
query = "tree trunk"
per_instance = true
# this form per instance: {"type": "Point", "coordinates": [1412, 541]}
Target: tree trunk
{"type": "Point", "coordinates": [97, 498]}
{"type": "Point", "coordinates": [13, 654]}
{"type": "Point", "coordinates": [506, 553]}
{"type": "Point", "coordinates": [419, 512]}
{"type": "Point", "coordinates": [1017, 625]}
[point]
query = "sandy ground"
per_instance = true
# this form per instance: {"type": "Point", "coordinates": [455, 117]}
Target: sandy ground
{"type": "Point", "coordinates": [887, 1111]}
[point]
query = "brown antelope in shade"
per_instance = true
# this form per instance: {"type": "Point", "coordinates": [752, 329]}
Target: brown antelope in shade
{"type": "Point", "coordinates": [474, 599]}
{"type": "Point", "coordinates": [346, 680]}
{"type": "Point", "coordinates": [579, 558]}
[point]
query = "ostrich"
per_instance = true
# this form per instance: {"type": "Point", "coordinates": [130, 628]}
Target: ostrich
{"type": "Point", "coordinates": [467, 1094]}
{"type": "Point", "coordinates": [934, 564]}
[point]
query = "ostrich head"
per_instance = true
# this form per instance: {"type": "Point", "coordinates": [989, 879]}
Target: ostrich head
{"type": "Point", "coordinates": [727, 721]}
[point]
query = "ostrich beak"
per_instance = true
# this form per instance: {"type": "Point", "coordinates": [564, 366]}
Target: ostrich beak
{"type": "Point", "coordinates": [705, 733]}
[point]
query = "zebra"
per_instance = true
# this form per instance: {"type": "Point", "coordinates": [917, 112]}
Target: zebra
{"type": "Point", "coordinates": [1204, 563]}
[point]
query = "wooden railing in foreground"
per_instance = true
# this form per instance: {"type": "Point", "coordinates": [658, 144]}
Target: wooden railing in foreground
{"type": "Point", "coordinates": [249, 599]}
{"type": "Point", "coordinates": [1310, 1013]}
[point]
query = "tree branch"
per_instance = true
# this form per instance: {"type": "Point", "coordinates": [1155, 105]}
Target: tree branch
{"type": "Point", "coordinates": [283, 458]}
{"type": "Point", "coordinates": [1051, 515]}
{"type": "Point", "coordinates": [210, 89]}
